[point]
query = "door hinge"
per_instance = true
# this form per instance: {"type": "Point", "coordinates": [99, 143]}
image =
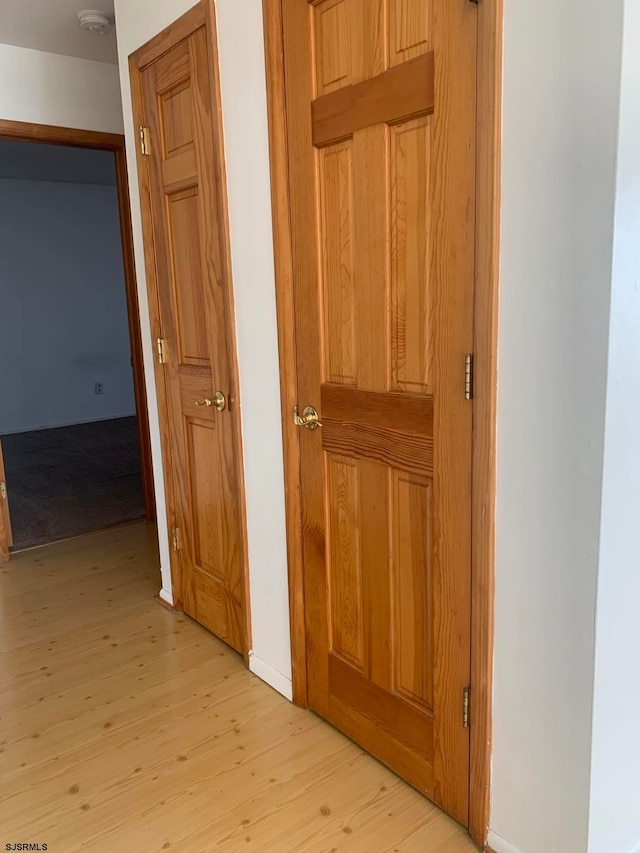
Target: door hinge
{"type": "Point", "coordinates": [162, 351]}
{"type": "Point", "coordinates": [465, 707]}
{"type": "Point", "coordinates": [175, 538]}
{"type": "Point", "coordinates": [3, 491]}
{"type": "Point", "coordinates": [468, 376]}
{"type": "Point", "coordinates": [143, 136]}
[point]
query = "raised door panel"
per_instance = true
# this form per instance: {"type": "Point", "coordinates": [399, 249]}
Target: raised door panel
{"type": "Point", "coordinates": [409, 29]}
{"type": "Point", "coordinates": [411, 578]}
{"type": "Point", "coordinates": [332, 48]}
{"type": "Point", "coordinates": [177, 122]}
{"type": "Point", "coordinates": [412, 314]}
{"type": "Point", "coordinates": [188, 296]}
{"type": "Point", "coordinates": [336, 213]}
{"type": "Point", "coordinates": [344, 569]}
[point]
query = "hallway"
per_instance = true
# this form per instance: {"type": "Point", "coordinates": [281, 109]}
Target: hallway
{"type": "Point", "coordinates": [127, 727]}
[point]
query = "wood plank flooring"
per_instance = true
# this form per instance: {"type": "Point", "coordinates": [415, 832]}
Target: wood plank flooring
{"type": "Point", "coordinates": [127, 728]}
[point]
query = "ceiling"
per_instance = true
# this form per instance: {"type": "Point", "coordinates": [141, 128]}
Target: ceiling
{"type": "Point", "coordinates": [52, 25]}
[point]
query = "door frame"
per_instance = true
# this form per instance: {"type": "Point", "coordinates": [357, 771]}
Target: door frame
{"type": "Point", "coordinates": [488, 140]}
{"type": "Point", "coordinates": [97, 140]}
{"type": "Point", "coordinates": [201, 15]}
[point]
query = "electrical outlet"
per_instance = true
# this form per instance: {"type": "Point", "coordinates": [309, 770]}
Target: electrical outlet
{"type": "Point", "coordinates": [99, 388]}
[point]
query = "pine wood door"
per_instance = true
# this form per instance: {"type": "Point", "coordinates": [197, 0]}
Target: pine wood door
{"type": "Point", "coordinates": [380, 98]}
{"type": "Point", "coordinates": [187, 247]}
{"type": "Point", "coordinates": [6, 538]}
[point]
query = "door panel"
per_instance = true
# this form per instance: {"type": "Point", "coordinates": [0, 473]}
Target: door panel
{"type": "Point", "coordinates": [381, 135]}
{"type": "Point", "coordinates": [6, 537]}
{"type": "Point", "coordinates": [201, 444]}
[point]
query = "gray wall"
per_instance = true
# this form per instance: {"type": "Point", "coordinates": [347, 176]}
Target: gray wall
{"type": "Point", "coordinates": [63, 315]}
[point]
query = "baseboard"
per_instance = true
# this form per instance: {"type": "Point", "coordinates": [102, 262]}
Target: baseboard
{"type": "Point", "coordinates": [497, 844]}
{"type": "Point", "coordinates": [273, 678]}
{"type": "Point", "coordinates": [166, 597]}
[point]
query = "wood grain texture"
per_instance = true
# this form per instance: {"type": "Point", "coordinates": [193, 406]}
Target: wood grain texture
{"type": "Point", "coordinates": [6, 537]}
{"type": "Point", "coordinates": [371, 248]}
{"type": "Point", "coordinates": [359, 213]}
{"type": "Point", "coordinates": [452, 269]}
{"type": "Point", "coordinates": [283, 268]}
{"type": "Point", "coordinates": [187, 241]}
{"type": "Point", "coordinates": [127, 726]}
{"type": "Point", "coordinates": [489, 53]}
{"type": "Point", "coordinates": [486, 375]}
{"type": "Point", "coordinates": [410, 29]}
{"type": "Point", "coordinates": [303, 222]}
{"type": "Point", "coordinates": [411, 727]}
{"type": "Point", "coordinates": [387, 410]}
{"type": "Point", "coordinates": [360, 441]}
{"type": "Point", "coordinates": [412, 586]}
{"type": "Point", "coordinates": [333, 69]}
{"type": "Point", "coordinates": [345, 560]}
{"type": "Point", "coordinates": [336, 212]}
{"type": "Point", "coordinates": [412, 303]}
{"type": "Point", "coordinates": [54, 135]}
{"type": "Point", "coordinates": [179, 30]}
{"type": "Point", "coordinates": [395, 95]}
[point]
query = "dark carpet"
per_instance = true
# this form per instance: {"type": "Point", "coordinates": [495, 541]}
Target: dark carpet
{"type": "Point", "coordinates": [72, 480]}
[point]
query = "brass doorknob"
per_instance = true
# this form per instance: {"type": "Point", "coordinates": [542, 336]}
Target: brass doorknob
{"type": "Point", "coordinates": [219, 402]}
{"type": "Point", "coordinates": [309, 418]}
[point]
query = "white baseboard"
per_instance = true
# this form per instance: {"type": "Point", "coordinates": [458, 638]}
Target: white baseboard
{"type": "Point", "coordinates": [273, 678]}
{"type": "Point", "coordinates": [499, 845]}
{"type": "Point", "coordinates": [166, 596]}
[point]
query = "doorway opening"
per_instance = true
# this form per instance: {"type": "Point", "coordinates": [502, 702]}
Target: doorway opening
{"type": "Point", "coordinates": [73, 417]}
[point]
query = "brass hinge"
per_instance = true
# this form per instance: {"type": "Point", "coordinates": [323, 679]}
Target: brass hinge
{"type": "Point", "coordinates": [468, 376]}
{"type": "Point", "coordinates": [143, 136]}
{"type": "Point", "coordinates": [175, 538]}
{"type": "Point", "coordinates": [162, 351]}
{"type": "Point", "coordinates": [3, 491]}
{"type": "Point", "coordinates": [465, 707]}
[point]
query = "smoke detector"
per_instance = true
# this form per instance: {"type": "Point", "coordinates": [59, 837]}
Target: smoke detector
{"type": "Point", "coordinates": [95, 21]}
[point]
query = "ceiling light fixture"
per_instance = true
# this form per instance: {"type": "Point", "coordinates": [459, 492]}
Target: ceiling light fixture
{"type": "Point", "coordinates": [95, 21]}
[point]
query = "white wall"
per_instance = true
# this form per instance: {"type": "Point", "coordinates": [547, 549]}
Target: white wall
{"type": "Point", "coordinates": [46, 88]}
{"type": "Point", "coordinates": [615, 786]}
{"type": "Point", "coordinates": [247, 159]}
{"type": "Point", "coordinates": [63, 317]}
{"type": "Point", "coordinates": [561, 93]}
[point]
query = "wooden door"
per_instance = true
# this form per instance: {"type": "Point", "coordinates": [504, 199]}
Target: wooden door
{"type": "Point", "coordinates": [6, 537]}
{"type": "Point", "coordinates": [380, 98]}
{"type": "Point", "coordinates": [186, 249]}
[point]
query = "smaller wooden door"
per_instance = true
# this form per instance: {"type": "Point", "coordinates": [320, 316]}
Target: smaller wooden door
{"type": "Point", "coordinates": [186, 248]}
{"type": "Point", "coordinates": [6, 538]}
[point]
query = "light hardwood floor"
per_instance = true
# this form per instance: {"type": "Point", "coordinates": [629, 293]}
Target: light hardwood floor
{"type": "Point", "coordinates": [126, 728]}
